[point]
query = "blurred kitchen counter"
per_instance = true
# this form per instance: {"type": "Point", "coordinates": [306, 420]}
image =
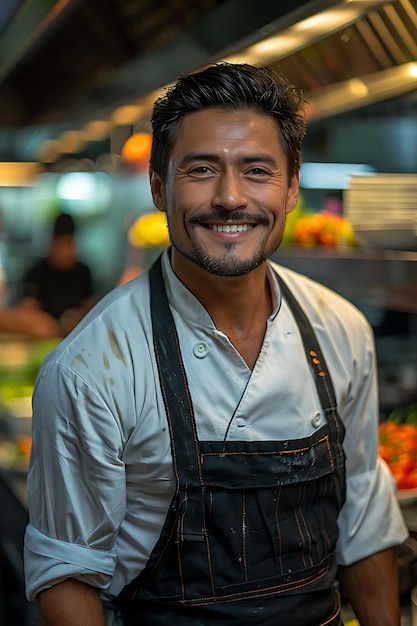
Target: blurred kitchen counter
{"type": "Point", "coordinates": [384, 278]}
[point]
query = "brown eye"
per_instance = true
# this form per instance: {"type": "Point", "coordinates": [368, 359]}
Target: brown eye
{"type": "Point", "coordinates": [200, 170]}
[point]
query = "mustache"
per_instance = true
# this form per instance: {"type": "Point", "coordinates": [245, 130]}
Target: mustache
{"type": "Point", "coordinates": [227, 217]}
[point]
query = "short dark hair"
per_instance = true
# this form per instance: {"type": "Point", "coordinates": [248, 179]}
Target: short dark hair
{"type": "Point", "coordinates": [231, 87]}
{"type": "Point", "coordinates": [64, 225]}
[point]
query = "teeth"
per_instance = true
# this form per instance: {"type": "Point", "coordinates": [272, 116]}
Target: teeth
{"type": "Point", "coordinates": [230, 228]}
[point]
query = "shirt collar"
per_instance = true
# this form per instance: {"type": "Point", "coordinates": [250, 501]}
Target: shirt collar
{"type": "Point", "coordinates": [190, 308]}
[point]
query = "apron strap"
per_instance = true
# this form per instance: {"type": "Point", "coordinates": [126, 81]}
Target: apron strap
{"type": "Point", "coordinates": [312, 349]}
{"type": "Point", "coordinates": [173, 381]}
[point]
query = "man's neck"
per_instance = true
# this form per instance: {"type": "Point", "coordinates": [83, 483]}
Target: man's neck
{"type": "Point", "coordinates": [239, 306]}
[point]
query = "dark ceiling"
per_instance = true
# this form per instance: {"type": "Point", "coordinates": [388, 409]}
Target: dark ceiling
{"type": "Point", "coordinates": [63, 62]}
{"type": "Point", "coordinates": [80, 46]}
{"type": "Point", "coordinates": [79, 52]}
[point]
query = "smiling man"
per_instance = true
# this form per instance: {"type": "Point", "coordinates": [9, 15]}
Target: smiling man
{"type": "Point", "coordinates": [227, 191]}
{"type": "Point", "coordinates": [205, 442]}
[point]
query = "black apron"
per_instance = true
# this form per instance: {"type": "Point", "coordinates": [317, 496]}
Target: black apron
{"type": "Point", "coordinates": [250, 534]}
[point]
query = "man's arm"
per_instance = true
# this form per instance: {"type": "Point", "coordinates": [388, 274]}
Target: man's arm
{"type": "Point", "coordinates": [70, 603]}
{"type": "Point", "coordinates": [371, 585]}
{"type": "Point", "coordinates": [32, 322]}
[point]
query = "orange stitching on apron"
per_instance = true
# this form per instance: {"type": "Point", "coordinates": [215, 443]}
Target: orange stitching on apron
{"type": "Point", "coordinates": [300, 532]}
{"type": "Point", "coordinates": [257, 593]}
{"type": "Point", "coordinates": [245, 453]}
{"type": "Point", "coordinates": [305, 536]}
{"type": "Point", "coordinates": [180, 571]}
{"type": "Point", "coordinates": [323, 522]}
{"type": "Point", "coordinates": [331, 459]}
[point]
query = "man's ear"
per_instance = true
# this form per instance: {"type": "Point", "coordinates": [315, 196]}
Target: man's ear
{"type": "Point", "coordinates": [293, 190]}
{"type": "Point", "coordinates": [158, 191]}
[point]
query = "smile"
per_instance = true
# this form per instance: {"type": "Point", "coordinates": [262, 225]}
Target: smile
{"type": "Point", "coordinates": [230, 228]}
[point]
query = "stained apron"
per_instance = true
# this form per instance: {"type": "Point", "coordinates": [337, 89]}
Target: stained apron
{"type": "Point", "coordinates": [250, 533]}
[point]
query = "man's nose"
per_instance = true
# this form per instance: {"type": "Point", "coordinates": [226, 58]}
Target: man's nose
{"type": "Point", "coordinates": [230, 192]}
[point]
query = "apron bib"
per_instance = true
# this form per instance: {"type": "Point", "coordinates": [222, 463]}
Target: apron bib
{"type": "Point", "coordinates": [250, 534]}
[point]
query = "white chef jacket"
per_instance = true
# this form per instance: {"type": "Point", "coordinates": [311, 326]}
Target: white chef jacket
{"type": "Point", "coordinates": [101, 479]}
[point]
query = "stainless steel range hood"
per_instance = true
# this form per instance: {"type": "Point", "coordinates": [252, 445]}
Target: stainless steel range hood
{"type": "Point", "coordinates": [87, 59]}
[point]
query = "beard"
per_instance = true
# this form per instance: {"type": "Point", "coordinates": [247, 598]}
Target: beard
{"type": "Point", "coordinates": [229, 264]}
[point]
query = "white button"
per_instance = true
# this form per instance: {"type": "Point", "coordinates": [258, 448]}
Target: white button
{"type": "Point", "coordinates": [316, 419]}
{"type": "Point", "coordinates": [200, 350]}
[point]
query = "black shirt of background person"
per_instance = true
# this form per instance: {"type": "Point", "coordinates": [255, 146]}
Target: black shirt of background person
{"type": "Point", "coordinates": [57, 290]}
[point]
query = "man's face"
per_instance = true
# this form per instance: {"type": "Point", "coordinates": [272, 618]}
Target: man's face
{"type": "Point", "coordinates": [226, 195]}
{"type": "Point", "coordinates": [62, 252]}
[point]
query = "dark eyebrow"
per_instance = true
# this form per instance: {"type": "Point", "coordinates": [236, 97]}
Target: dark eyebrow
{"type": "Point", "coordinates": [208, 156]}
{"type": "Point", "coordinates": [258, 158]}
{"type": "Point", "coordinates": [198, 156]}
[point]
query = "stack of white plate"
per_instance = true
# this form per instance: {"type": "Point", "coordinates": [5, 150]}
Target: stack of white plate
{"type": "Point", "coordinates": [382, 209]}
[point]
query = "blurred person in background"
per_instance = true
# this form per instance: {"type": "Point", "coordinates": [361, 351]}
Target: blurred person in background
{"type": "Point", "coordinates": [60, 284]}
{"type": "Point", "coordinates": [26, 321]}
{"type": "Point", "coordinates": [13, 319]}
{"type": "Point", "coordinates": [205, 442]}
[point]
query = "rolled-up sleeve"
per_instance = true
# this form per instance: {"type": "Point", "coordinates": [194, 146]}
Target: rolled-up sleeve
{"type": "Point", "coordinates": [371, 519]}
{"type": "Point", "coordinates": [76, 483]}
{"type": "Point", "coordinates": [49, 560]}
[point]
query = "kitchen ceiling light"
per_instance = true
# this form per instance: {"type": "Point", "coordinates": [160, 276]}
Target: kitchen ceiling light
{"type": "Point", "coordinates": [128, 114]}
{"type": "Point", "coordinates": [71, 141]}
{"type": "Point", "coordinates": [96, 130]}
{"type": "Point", "coordinates": [305, 32]}
{"type": "Point", "coordinates": [361, 91]}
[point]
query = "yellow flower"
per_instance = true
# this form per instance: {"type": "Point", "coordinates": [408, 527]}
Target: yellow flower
{"type": "Point", "coordinates": [149, 230]}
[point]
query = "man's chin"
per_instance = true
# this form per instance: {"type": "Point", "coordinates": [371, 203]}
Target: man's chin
{"type": "Point", "coordinates": [224, 266]}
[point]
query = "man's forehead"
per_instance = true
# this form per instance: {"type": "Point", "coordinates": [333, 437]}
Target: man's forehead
{"type": "Point", "coordinates": [221, 126]}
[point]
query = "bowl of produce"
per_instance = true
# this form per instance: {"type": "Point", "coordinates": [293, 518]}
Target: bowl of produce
{"type": "Point", "coordinates": [398, 448]}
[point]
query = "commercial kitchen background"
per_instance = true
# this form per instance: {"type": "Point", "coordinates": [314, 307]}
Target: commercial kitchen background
{"type": "Point", "coordinates": [77, 79]}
